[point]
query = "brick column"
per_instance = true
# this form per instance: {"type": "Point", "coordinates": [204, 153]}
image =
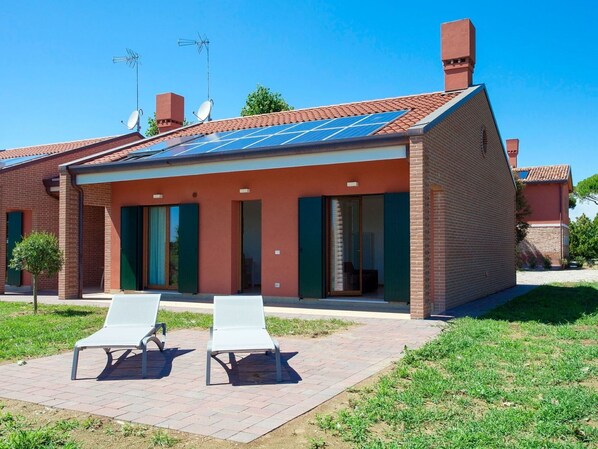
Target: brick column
{"type": "Point", "coordinates": [68, 235]}
{"type": "Point", "coordinates": [107, 249]}
{"type": "Point", "coordinates": [419, 222]}
{"type": "Point", "coordinates": [438, 262]}
{"type": "Point", "coordinates": [2, 243]}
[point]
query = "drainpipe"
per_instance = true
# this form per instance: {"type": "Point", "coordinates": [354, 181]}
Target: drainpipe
{"type": "Point", "coordinates": [80, 244]}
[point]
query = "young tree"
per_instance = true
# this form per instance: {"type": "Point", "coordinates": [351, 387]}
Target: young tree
{"type": "Point", "coordinates": [522, 210]}
{"type": "Point", "coordinates": [587, 189]}
{"type": "Point", "coordinates": [263, 101]}
{"type": "Point", "coordinates": [37, 253]}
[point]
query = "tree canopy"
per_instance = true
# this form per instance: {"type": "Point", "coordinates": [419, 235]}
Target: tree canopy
{"type": "Point", "coordinates": [587, 189]}
{"type": "Point", "coordinates": [37, 253]}
{"type": "Point", "coordinates": [262, 101]}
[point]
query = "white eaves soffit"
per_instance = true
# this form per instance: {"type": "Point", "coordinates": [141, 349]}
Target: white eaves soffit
{"type": "Point", "coordinates": [245, 164]}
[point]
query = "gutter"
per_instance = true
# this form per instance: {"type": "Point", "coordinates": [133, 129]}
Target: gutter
{"type": "Point", "coordinates": [288, 150]}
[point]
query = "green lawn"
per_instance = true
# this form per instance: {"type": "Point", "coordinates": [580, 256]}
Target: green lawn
{"type": "Point", "coordinates": [56, 328]}
{"type": "Point", "coordinates": [523, 376]}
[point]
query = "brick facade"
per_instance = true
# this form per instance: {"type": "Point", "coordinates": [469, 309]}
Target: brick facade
{"type": "Point", "coordinates": [23, 190]}
{"type": "Point", "coordinates": [462, 211]}
{"type": "Point", "coordinates": [550, 241]}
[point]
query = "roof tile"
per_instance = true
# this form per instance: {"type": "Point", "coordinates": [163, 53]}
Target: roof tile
{"type": "Point", "coordinates": [52, 148]}
{"type": "Point", "coordinates": [545, 173]}
{"type": "Point", "coordinates": [417, 106]}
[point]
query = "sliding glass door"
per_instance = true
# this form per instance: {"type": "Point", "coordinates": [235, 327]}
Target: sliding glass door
{"type": "Point", "coordinates": [344, 246]}
{"type": "Point", "coordinates": [162, 247]}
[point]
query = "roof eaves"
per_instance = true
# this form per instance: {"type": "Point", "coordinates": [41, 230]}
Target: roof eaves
{"type": "Point", "coordinates": [45, 158]}
{"type": "Point", "coordinates": [333, 145]}
{"type": "Point", "coordinates": [63, 167]}
{"type": "Point", "coordinates": [435, 117]}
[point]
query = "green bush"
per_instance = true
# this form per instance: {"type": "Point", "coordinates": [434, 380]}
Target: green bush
{"type": "Point", "coordinates": [583, 238]}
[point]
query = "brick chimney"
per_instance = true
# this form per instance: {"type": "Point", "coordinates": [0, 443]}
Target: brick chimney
{"type": "Point", "coordinates": [513, 151]}
{"type": "Point", "coordinates": [458, 54]}
{"type": "Point", "coordinates": [170, 111]}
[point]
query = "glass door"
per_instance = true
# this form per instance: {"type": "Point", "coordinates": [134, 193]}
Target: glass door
{"type": "Point", "coordinates": [162, 247]}
{"type": "Point", "coordinates": [344, 246]}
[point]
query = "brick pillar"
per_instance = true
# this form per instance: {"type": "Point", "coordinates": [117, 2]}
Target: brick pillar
{"type": "Point", "coordinates": [438, 262]}
{"type": "Point", "coordinates": [2, 243]}
{"type": "Point", "coordinates": [68, 235]}
{"type": "Point", "coordinates": [419, 223]}
{"type": "Point", "coordinates": [107, 249]}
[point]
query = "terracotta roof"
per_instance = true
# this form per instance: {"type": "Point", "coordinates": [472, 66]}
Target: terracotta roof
{"type": "Point", "coordinates": [418, 107]}
{"type": "Point", "coordinates": [51, 148]}
{"type": "Point", "coordinates": [545, 173]}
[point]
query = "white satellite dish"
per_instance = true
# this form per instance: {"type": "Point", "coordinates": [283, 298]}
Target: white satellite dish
{"type": "Point", "coordinates": [133, 119]}
{"type": "Point", "coordinates": [203, 113]}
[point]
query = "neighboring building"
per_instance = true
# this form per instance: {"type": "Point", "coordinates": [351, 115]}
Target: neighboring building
{"type": "Point", "coordinates": [547, 190]}
{"type": "Point", "coordinates": [29, 202]}
{"type": "Point", "coordinates": [404, 199]}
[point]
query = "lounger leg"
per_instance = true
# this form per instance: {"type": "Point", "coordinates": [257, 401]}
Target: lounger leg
{"type": "Point", "coordinates": [75, 363]}
{"type": "Point", "coordinates": [208, 364]}
{"type": "Point", "coordinates": [278, 369]}
{"type": "Point", "coordinates": [144, 362]}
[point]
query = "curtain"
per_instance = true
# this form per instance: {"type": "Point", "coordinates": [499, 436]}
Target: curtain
{"type": "Point", "coordinates": [157, 246]}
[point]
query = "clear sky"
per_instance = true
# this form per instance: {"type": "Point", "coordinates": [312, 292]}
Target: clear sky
{"type": "Point", "coordinates": [58, 83]}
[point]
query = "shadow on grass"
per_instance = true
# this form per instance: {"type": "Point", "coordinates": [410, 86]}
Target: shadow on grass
{"type": "Point", "coordinates": [68, 313]}
{"type": "Point", "coordinates": [550, 304]}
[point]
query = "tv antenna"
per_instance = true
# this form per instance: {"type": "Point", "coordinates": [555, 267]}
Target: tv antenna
{"type": "Point", "coordinates": [200, 43]}
{"type": "Point", "coordinates": [132, 60]}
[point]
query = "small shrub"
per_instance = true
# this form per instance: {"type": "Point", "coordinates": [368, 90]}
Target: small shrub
{"type": "Point", "coordinates": [91, 423]}
{"type": "Point", "coordinates": [317, 443]}
{"type": "Point", "coordinates": [547, 262]}
{"type": "Point", "coordinates": [580, 261]}
{"type": "Point", "coordinates": [532, 261]}
{"type": "Point", "coordinates": [160, 438]}
{"type": "Point", "coordinates": [133, 430]}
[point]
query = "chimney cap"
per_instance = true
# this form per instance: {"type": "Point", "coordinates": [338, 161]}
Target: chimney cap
{"type": "Point", "coordinates": [458, 40]}
{"type": "Point", "coordinates": [513, 146]}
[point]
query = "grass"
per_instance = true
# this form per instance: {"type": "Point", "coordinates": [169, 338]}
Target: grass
{"type": "Point", "coordinates": [56, 328]}
{"type": "Point", "coordinates": [523, 376]}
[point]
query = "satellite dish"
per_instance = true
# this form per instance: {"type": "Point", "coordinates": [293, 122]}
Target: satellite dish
{"type": "Point", "coordinates": [203, 113]}
{"type": "Point", "coordinates": [133, 119]}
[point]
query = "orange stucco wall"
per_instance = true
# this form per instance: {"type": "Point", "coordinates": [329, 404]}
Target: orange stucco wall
{"type": "Point", "coordinates": [547, 202]}
{"type": "Point", "coordinates": [218, 198]}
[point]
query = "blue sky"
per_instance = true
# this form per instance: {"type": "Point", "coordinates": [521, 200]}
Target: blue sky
{"type": "Point", "coordinates": [58, 82]}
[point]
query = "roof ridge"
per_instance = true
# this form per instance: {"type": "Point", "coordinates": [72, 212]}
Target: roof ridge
{"type": "Point", "coordinates": [311, 108]}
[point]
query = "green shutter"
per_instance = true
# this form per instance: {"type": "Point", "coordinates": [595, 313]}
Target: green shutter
{"type": "Point", "coordinates": [131, 248]}
{"type": "Point", "coordinates": [396, 247]}
{"type": "Point", "coordinates": [311, 247]}
{"type": "Point", "coordinates": [188, 248]}
{"type": "Point", "coordinates": [14, 235]}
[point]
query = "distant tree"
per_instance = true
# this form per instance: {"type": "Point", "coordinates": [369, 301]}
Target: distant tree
{"type": "Point", "coordinates": [583, 238]}
{"type": "Point", "coordinates": [37, 253]}
{"type": "Point", "coordinates": [522, 210]}
{"type": "Point", "coordinates": [152, 126]}
{"type": "Point", "coordinates": [263, 101]}
{"type": "Point", "coordinates": [587, 190]}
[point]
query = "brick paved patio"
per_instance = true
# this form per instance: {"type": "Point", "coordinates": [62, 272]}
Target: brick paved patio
{"type": "Point", "coordinates": [241, 405]}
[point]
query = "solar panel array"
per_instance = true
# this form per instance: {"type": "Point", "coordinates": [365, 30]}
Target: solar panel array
{"type": "Point", "coordinates": [269, 136]}
{"type": "Point", "coordinates": [18, 160]}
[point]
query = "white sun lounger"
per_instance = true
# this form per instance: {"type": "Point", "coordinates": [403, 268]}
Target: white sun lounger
{"type": "Point", "coordinates": [130, 324]}
{"type": "Point", "coordinates": [240, 326]}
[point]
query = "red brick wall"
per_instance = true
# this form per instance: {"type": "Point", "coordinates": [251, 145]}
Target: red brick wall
{"type": "Point", "coordinates": [23, 189]}
{"type": "Point", "coordinates": [477, 210]}
{"type": "Point", "coordinates": [549, 202]}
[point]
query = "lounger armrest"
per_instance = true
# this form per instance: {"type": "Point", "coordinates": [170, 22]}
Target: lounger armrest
{"type": "Point", "coordinates": [210, 339]}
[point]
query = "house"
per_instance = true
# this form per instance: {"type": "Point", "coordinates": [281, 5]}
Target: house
{"type": "Point", "coordinates": [29, 202]}
{"type": "Point", "coordinates": [547, 190]}
{"type": "Point", "coordinates": [407, 199]}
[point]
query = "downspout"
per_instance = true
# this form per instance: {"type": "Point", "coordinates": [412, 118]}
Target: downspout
{"type": "Point", "coordinates": [80, 243]}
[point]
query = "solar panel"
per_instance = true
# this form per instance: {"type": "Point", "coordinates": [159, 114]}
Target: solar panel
{"type": "Point", "coordinates": [18, 160]}
{"type": "Point", "coordinates": [269, 136]}
{"type": "Point", "coordinates": [355, 131]}
{"type": "Point", "coordinates": [166, 144]}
